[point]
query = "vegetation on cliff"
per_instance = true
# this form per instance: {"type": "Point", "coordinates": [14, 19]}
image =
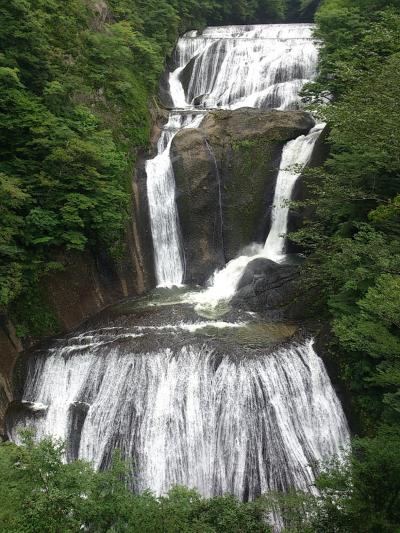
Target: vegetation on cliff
{"type": "Point", "coordinates": [353, 236]}
{"type": "Point", "coordinates": [352, 239]}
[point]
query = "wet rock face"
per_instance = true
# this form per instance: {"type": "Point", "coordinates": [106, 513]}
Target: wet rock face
{"type": "Point", "coordinates": [225, 173]}
{"type": "Point", "coordinates": [10, 346]}
{"type": "Point", "coordinates": [301, 192]}
{"type": "Point", "coordinates": [268, 287]}
{"type": "Point", "coordinates": [198, 205]}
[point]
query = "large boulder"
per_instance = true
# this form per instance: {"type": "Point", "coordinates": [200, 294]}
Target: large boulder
{"type": "Point", "coordinates": [268, 287]}
{"type": "Point", "coordinates": [225, 173]}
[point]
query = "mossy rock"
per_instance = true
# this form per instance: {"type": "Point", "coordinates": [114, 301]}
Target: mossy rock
{"type": "Point", "coordinates": [225, 173]}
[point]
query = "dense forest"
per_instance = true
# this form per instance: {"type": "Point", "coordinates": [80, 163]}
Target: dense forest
{"type": "Point", "coordinates": [77, 79]}
{"type": "Point", "coordinates": [352, 239]}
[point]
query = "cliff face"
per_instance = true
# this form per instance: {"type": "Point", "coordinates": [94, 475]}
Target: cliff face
{"type": "Point", "coordinates": [225, 174]}
{"type": "Point", "coordinates": [10, 347]}
{"type": "Point", "coordinates": [88, 282]}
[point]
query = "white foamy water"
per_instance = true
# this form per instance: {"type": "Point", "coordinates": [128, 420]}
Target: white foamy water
{"type": "Point", "coordinates": [261, 66]}
{"type": "Point", "coordinates": [243, 425]}
{"type": "Point", "coordinates": [295, 155]}
{"type": "Point", "coordinates": [168, 258]}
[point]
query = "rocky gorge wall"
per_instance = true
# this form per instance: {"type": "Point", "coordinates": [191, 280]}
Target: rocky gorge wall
{"type": "Point", "coordinates": [225, 173]}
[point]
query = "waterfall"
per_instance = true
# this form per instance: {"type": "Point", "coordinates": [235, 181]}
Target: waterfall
{"type": "Point", "coordinates": [295, 155]}
{"type": "Point", "coordinates": [262, 66]}
{"type": "Point", "coordinates": [213, 411]}
{"type": "Point", "coordinates": [189, 416]}
{"type": "Point", "coordinates": [168, 258]}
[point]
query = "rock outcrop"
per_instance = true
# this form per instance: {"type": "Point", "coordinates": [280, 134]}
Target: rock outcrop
{"type": "Point", "coordinates": [225, 173]}
{"type": "Point", "coordinates": [268, 287]}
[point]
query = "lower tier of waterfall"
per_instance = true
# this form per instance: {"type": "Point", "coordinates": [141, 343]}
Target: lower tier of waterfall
{"type": "Point", "coordinates": [244, 422]}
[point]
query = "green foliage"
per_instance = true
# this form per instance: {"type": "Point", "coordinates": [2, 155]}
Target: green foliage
{"type": "Point", "coordinates": [357, 493]}
{"type": "Point", "coordinates": [40, 493]}
{"type": "Point", "coordinates": [352, 237]}
{"type": "Point", "coordinates": [352, 240]}
{"type": "Point", "coordinates": [356, 38]}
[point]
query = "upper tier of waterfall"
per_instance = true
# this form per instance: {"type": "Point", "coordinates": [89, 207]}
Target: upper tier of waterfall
{"type": "Point", "coordinates": [262, 66]}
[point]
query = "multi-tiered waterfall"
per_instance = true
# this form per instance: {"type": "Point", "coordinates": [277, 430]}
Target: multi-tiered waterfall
{"type": "Point", "coordinates": [228, 67]}
{"type": "Point", "coordinates": [214, 405]}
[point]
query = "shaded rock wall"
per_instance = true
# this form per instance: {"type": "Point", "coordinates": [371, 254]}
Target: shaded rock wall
{"type": "Point", "coordinates": [225, 175]}
{"type": "Point", "coordinates": [10, 348]}
{"type": "Point", "coordinates": [270, 288]}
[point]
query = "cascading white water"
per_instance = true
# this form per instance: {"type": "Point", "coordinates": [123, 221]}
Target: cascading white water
{"type": "Point", "coordinates": [295, 155]}
{"type": "Point", "coordinates": [238, 424]}
{"type": "Point", "coordinates": [223, 284]}
{"type": "Point", "coordinates": [168, 257]}
{"type": "Point", "coordinates": [261, 66]}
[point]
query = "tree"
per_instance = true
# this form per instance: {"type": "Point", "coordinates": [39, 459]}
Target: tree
{"type": "Point", "coordinates": [40, 493]}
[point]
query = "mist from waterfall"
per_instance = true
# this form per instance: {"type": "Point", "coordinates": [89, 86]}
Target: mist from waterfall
{"type": "Point", "coordinates": [263, 66]}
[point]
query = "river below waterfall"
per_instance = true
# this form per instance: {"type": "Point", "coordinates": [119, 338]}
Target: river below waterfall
{"type": "Point", "coordinates": [192, 390]}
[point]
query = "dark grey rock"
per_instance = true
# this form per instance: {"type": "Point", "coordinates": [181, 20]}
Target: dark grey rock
{"type": "Point", "coordinates": [268, 287]}
{"type": "Point", "coordinates": [225, 173]}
